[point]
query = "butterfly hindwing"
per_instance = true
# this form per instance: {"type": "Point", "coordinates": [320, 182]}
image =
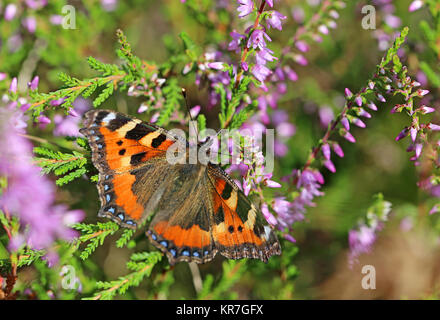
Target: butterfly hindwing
{"type": "Point", "coordinates": [181, 227]}
{"type": "Point", "coordinates": [239, 229]}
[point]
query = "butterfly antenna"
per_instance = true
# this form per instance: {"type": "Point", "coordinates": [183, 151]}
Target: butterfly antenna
{"type": "Point", "coordinates": [189, 111]}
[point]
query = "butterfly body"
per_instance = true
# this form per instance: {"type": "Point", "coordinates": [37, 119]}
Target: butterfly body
{"type": "Point", "coordinates": [197, 209]}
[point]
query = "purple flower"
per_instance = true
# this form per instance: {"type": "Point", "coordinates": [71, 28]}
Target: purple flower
{"type": "Point", "coordinates": [36, 4]}
{"type": "Point", "coordinates": [69, 125]}
{"type": "Point", "coordinates": [348, 93]}
{"type": "Point", "coordinates": [33, 85]}
{"type": "Point", "coordinates": [57, 102]}
{"type": "Point", "coordinates": [260, 72]}
{"type": "Point", "coordinates": [415, 5]}
{"type": "Point", "coordinates": [13, 86]}
{"type": "Point", "coordinates": [10, 12]}
{"type": "Point", "coordinates": [245, 7]}
{"type": "Point", "coordinates": [302, 46]}
{"type": "Point", "coordinates": [256, 40]}
{"type": "Point", "coordinates": [267, 215]}
{"type": "Point", "coordinates": [236, 39]}
{"type": "Point", "coordinates": [42, 222]}
{"type": "Point", "coordinates": [109, 5]}
{"type": "Point", "coordinates": [326, 116]}
{"type": "Point", "coordinates": [264, 55]}
{"type": "Point", "coordinates": [270, 3]}
{"type": "Point", "coordinates": [345, 123]}
{"type": "Point", "coordinates": [274, 20]}
{"type": "Point", "coordinates": [349, 137]}
{"type": "Point", "coordinates": [402, 134]}
{"type": "Point", "coordinates": [360, 241]}
{"type": "Point", "coordinates": [30, 23]}
{"type": "Point", "coordinates": [326, 151]}
{"type": "Point", "coordinates": [330, 166]}
{"type": "Point", "coordinates": [338, 150]}
{"type": "Point", "coordinates": [56, 19]}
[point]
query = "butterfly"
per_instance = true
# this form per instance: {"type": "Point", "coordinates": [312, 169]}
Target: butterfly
{"type": "Point", "coordinates": [197, 210]}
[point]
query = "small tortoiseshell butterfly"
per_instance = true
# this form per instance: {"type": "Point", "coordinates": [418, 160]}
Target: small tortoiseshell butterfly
{"type": "Point", "coordinates": [198, 210]}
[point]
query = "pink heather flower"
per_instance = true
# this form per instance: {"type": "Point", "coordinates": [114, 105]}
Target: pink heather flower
{"type": "Point", "coordinates": [364, 114]}
{"type": "Point", "coordinates": [348, 93]}
{"type": "Point", "coordinates": [264, 55]}
{"type": "Point", "coordinates": [422, 92]}
{"type": "Point", "coordinates": [433, 127]}
{"type": "Point", "coordinates": [413, 133]}
{"type": "Point", "coordinates": [326, 151]}
{"type": "Point", "coordinates": [358, 101]}
{"type": "Point", "coordinates": [142, 108]}
{"type": "Point", "coordinates": [372, 106]}
{"type": "Point", "coordinates": [288, 237]}
{"type": "Point", "coordinates": [13, 86]}
{"type": "Point", "coordinates": [290, 73]}
{"type": "Point", "coordinates": [435, 209]}
{"type": "Point", "coordinates": [426, 110]}
{"type": "Point", "coordinates": [415, 5]}
{"type": "Point", "coordinates": [33, 85]}
{"type": "Point", "coordinates": [360, 241]}
{"type": "Point", "coordinates": [109, 5]}
{"type": "Point", "coordinates": [260, 72]}
{"type": "Point", "coordinates": [338, 150]}
{"type": "Point", "coordinates": [245, 7]}
{"type": "Point", "coordinates": [267, 215]}
{"type": "Point", "coordinates": [358, 122]}
{"type": "Point", "coordinates": [56, 19]}
{"type": "Point", "coordinates": [302, 46]}
{"type": "Point", "coordinates": [392, 21]}
{"type": "Point", "coordinates": [300, 59]}
{"type": "Point", "coordinates": [270, 3]}
{"type": "Point", "coordinates": [349, 137]}
{"type": "Point", "coordinates": [418, 150]}
{"type": "Point", "coordinates": [326, 116]}
{"type": "Point", "coordinates": [2, 76]}
{"type": "Point", "coordinates": [402, 134]}
{"type": "Point", "coordinates": [236, 39]}
{"type": "Point", "coordinates": [345, 123]}
{"type": "Point", "coordinates": [245, 66]}
{"type": "Point", "coordinates": [57, 102]}
{"type": "Point", "coordinates": [274, 20]}
{"type": "Point", "coordinates": [381, 98]}
{"type": "Point", "coordinates": [30, 23]}
{"type": "Point", "coordinates": [36, 4]}
{"type": "Point", "coordinates": [215, 65]}
{"type": "Point", "coordinates": [43, 221]}
{"type": "Point", "coordinates": [323, 29]}
{"type": "Point", "coordinates": [69, 125]}
{"type": "Point", "coordinates": [10, 12]}
{"type": "Point", "coordinates": [330, 166]}
{"type": "Point", "coordinates": [256, 40]}
{"type": "Point", "coordinates": [194, 111]}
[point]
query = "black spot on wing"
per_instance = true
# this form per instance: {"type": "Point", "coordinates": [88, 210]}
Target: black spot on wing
{"type": "Point", "coordinates": [219, 216]}
{"type": "Point", "coordinates": [122, 152]}
{"type": "Point", "coordinates": [137, 158]}
{"type": "Point", "coordinates": [100, 115]}
{"type": "Point", "coordinates": [118, 123]}
{"type": "Point", "coordinates": [226, 193]}
{"type": "Point", "coordinates": [158, 140]}
{"type": "Point", "coordinates": [243, 207]}
{"type": "Point", "coordinates": [138, 132]}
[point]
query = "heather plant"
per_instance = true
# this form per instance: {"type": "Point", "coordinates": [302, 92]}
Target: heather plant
{"type": "Point", "coordinates": [344, 110]}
